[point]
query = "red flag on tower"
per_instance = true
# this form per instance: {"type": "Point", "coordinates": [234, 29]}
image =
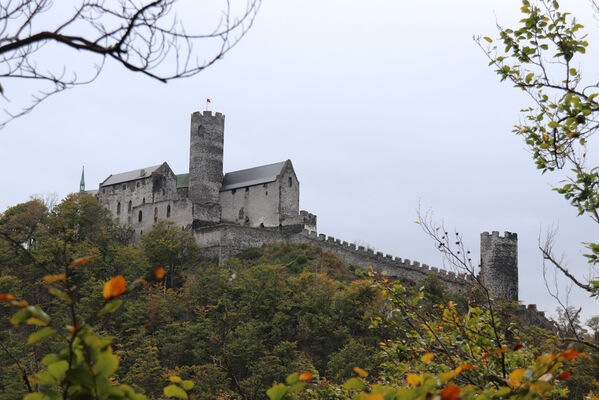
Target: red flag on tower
{"type": "Point", "coordinates": [208, 101]}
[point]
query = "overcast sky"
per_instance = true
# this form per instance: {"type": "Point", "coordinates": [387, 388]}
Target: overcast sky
{"type": "Point", "coordinates": [380, 105]}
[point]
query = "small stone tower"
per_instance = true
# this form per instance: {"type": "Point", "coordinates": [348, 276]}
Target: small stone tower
{"type": "Point", "coordinates": [206, 166]}
{"type": "Point", "coordinates": [499, 264]}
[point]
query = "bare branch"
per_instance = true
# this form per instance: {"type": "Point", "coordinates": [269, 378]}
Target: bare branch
{"type": "Point", "coordinates": [141, 35]}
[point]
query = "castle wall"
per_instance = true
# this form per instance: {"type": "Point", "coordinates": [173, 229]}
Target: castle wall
{"type": "Point", "coordinates": [137, 192]}
{"type": "Point", "coordinates": [224, 241]}
{"type": "Point", "coordinates": [289, 195]}
{"type": "Point", "coordinates": [179, 211]}
{"type": "Point", "coordinates": [253, 205]}
{"type": "Point", "coordinates": [126, 199]}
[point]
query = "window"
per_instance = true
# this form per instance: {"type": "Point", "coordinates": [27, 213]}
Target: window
{"type": "Point", "coordinates": [143, 201]}
{"type": "Point", "coordinates": [247, 189]}
{"type": "Point", "coordinates": [118, 208]}
{"type": "Point", "coordinates": [265, 186]}
{"type": "Point", "coordinates": [139, 216]}
{"type": "Point", "coordinates": [168, 211]}
{"type": "Point", "coordinates": [137, 184]}
{"type": "Point", "coordinates": [103, 191]}
{"type": "Point", "coordinates": [233, 191]}
{"type": "Point", "coordinates": [124, 187]}
{"type": "Point", "coordinates": [155, 214]}
{"type": "Point", "coordinates": [129, 207]}
{"type": "Point", "coordinates": [290, 181]}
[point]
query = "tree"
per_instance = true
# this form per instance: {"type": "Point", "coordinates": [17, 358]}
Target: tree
{"type": "Point", "coordinates": [145, 36]}
{"type": "Point", "coordinates": [541, 57]}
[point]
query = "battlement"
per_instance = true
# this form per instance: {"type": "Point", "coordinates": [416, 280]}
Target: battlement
{"type": "Point", "coordinates": [208, 114]}
{"type": "Point", "coordinates": [506, 235]}
{"type": "Point", "coordinates": [385, 264]}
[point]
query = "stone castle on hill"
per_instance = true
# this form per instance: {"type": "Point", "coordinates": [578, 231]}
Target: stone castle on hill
{"type": "Point", "coordinates": [230, 212]}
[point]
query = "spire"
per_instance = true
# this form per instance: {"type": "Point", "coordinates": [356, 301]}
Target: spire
{"type": "Point", "coordinates": [82, 184]}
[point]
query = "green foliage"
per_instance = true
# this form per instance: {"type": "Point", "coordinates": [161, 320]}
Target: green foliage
{"type": "Point", "coordinates": [231, 330]}
{"type": "Point", "coordinates": [542, 58]}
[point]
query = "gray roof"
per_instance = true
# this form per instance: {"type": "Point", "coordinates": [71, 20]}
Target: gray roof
{"type": "Point", "coordinates": [130, 175]}
{"type": "Point", "coordinates": [252, 176]}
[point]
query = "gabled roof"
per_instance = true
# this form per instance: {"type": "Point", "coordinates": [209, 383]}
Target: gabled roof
{"type": "Point", "coordinates": [252, 176]}
{"type": "Point", "coordinates": [130, 175]}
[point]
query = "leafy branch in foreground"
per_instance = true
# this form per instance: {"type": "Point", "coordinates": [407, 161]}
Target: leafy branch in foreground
{"type": "Point", "coordinates": [542, 57]}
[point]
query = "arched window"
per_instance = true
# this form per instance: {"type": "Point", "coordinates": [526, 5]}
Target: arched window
{"type": "Point", "coordinates": [118, 208]}
{"type": "Point", "coordinates": [290, 182]}
{"type": "Point", "coordinates": [155, 214]}
{"type": "Point", "coordinates": [129, 207]}
{"type": "Point", "coordinates": [168, 211]}
{"type": "Point", "coordinates": [139, 216]}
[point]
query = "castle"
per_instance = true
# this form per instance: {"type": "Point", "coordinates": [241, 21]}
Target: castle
{"type": "Point", "coordinates": [228, 213]}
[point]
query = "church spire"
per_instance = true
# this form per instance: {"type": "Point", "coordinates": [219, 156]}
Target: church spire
{"type": "Point", "coordinates": [82, 184]}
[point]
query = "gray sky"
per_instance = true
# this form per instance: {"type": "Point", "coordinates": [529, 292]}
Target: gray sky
{"type": "Point", "coordinates": [380, 105]}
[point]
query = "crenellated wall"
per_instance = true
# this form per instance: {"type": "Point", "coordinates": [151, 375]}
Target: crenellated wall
{"type": "Point", "coordinates": [224, 241]}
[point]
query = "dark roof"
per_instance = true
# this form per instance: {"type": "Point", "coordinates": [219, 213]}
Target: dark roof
{"type": "Point", "coordinates": [252, 176]}
{"type": "Point", "coordinates": [130, 175]}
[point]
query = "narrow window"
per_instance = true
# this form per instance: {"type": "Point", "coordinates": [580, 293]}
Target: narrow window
{"type": "Point", "coordinates": [139, 216]}
{"type": "Point", "coordinates": [143, 201]}
{"type": "Point", "coordinates": [141, 233]}
{"type": "Point", "coordinates": [137, 184]}
{"type": "Point", "coordinates": [265, 186]}
{"type": "Point", "coordinates": [233, 191]}
{"type": "Point", "coordinates": [163, 192]}
{"type": "Point", "coordinates": [103, 191]}
{"type": "Point", "coordinates": [290, 181]}
{"type": "Point", "coordinates": [124, 187]}
{"type": "Point", "coordinates": [118, 208]}
{"type": "Point", "coordinates": [168, 211]}
{"type": "Point", "coordinates": [129, 207]}
{"type": "Point", "coordinates": [247, 189]}
{"type": "Point", "coordinates": [155, 214]}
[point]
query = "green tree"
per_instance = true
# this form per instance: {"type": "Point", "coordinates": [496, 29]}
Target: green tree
{"type": "Point", "coordinates": [542, 57]}
{"type": "Point", "coordinates": [166, 245]}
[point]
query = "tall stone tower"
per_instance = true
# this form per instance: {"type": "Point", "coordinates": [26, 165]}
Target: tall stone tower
{"type": "Point", "coordinates": [206, 166]}
{"type": "Point", "coordinates": [499, 264]}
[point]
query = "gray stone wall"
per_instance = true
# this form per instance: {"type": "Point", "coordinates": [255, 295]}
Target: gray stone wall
{"type": "Point", "coordinates": [179, 211]}
{"type": "Point", "coordinates": [224, 241]}
{"type": "Point", "coordinates": [289, 195]}
{"type": "Point", "coordinates": [309, 221]}
{"type": "Point", "coordinates": [256, 205]}
{"type": "Point", "coordinates": [206, 166]}
{"type": "Point", "coordinates": [499, 264]}
{"type": "Point", "coordinates": [124, 200]}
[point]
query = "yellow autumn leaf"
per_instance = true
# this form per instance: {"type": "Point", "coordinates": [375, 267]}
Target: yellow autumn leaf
{"type": "Point", "coordinates": [546, 137]}
{"type": "Point", "coordinates": [55, 278]}
{"type": "Point", "coordinates": [371, 396]}
{"type": "Point", "coordinates": [360, 372]}
{"type": "Point", "coordinates": [427, 357]}
{"type": "Point", "coordinates": [515, 377]}
{"type": "Point", "coordinates": [414, 379]}
{"type": "Point", "coordinates": [447, 376]}
{"type": "Point", "coordinates": [174, 379]}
